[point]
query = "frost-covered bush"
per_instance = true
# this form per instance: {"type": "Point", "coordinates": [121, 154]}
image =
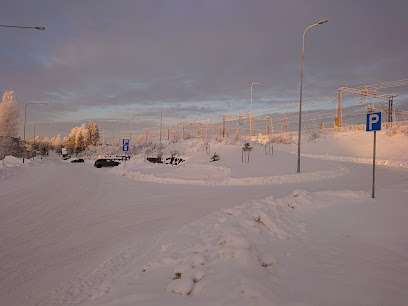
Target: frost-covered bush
{"type": "Point", "coordinates": [233, 140]}
{"type": "Point", "coordinates": [174, 153]}
{"type": "Point", "coordinates": [313, 135]}
{"type": "Point", "coordinates": [218, 138]}
{"type": "Point", "coordinates": [397, 130]}
{"type": "Point", "coordinates": [149, 148]}
{"type": "Point", "coordinates": [281, 138]}
{"type": "Point", "coordinates": [247, 147]}
{"type": "Point", "coordinates": [353, 127]}
{"type": "Point", "coordinates": [10, 146]}
{"type": "Point", "coordinates": [188, 135]}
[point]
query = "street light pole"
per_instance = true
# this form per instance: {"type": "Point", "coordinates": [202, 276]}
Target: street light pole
{"type": "Point", "coordinates": [250, 112]}
{"type": "Point", "coordinates": [25, 111]}
{"type": "Point", "coordinates": [301, 86]}
{"type": "Point", "coordinates": [25, 119]}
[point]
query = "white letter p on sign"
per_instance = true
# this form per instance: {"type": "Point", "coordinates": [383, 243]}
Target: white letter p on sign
{"type": "Point", "coordinates": [373, 119]}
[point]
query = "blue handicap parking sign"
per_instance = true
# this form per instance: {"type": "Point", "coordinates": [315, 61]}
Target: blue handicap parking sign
{"type": "Point", "coordinates": [125, 148]}
{"type": "Point", "coordinates": [373, 122]}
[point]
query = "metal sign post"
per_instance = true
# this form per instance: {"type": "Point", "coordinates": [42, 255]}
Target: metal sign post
{"type": "Point", "coordinates": [374, 124]}
{"type": "Point", "coordinates": [125, 148]}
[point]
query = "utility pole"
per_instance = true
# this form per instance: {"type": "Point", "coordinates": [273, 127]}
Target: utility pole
{"type": "Point", "coordinates": [223, 126]}
{"type": "Point", "coordinates": [161, 119]}
{"type": "Point", "coordinates": [130, 128]}
{"type": "Point", "coordinates": [267, 126]}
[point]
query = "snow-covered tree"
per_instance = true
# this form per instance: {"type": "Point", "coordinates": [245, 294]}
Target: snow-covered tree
{"type": "Point", "coordinates": [90, 131]}
{"type": "Point", "coordinates": [37, 142]}
{"type": "Point", "coordinates": [9, 114]}
{"type": "Point", "coordinates": [84, 132]}
{"type": "Point", "coordinates": [80, 142]}
{"type": "Point", "coordinates": [82, 137]}
{"type": "Point", "coordinates": [70, 143]}
{"type": "Point", "coordinates": [45, 145]}
{"type": "Point", "coordinates": [52, 140]}
{"type": "Point", "coordinates": [95, 134]}
{"type": "Point", "coordinates": [57, 144]}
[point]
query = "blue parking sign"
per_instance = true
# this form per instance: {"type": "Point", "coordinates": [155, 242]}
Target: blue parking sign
{"type": "Point", "coordinates": [125, 142]}
{"type": "Point", "coordinates": [125, 148]}
{"type": "Point", "coordinates": [373, 122]}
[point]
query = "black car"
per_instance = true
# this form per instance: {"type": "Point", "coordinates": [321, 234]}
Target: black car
{"type": "Point", "coordinates": [79, 160]}
{"type": "Point", "coordinates": [99, 163]}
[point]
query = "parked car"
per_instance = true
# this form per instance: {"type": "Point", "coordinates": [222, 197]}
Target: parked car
{"type": "Point", "coordinates": [99, 163]}
{"type": "Point", "coordinates": [79, 160]}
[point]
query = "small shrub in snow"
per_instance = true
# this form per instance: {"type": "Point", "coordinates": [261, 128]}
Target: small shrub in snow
{"type": "Point", "coordinates": [215, 157]}
{"type": "Point", "coordinates": [247, 147]}
{"type": "Point", "coordinates": [174, 153]}
{"type": "Point", "coordinates": [233, 140]}
{"type": "Point", "coordinates": [313, 135]}
{"type": "Point", "coordinates": [149, 148]}
{"type": "Point", "coordinates": [188, 136]}
{"type": "Point", "coordinates": [397, 130]}
{"type": "Point", "coordinates": [218, 138]}
{"type": "Point", "coordinates": [280, 138]}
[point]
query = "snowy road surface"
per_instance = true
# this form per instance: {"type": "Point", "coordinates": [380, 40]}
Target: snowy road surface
{"type": "Point", "coordinates": [66, 229]}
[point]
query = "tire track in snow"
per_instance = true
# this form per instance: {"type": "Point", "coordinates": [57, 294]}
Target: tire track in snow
{"type": "Point", "coordinates": [33, 210]}
{"type": "Point", "coordinates": [83, 287]}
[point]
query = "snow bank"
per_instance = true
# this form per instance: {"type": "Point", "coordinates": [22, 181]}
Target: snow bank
{"type": "Point", "coordinates": [360, 160]}
{"type": "Point", "coordinates": [356, 147]}
{"type": "Point", "coordinates": [10, 165]}
{"type": "Point", "coordinates": [221, 176]}
{"type": "Point", "coordinates": [229, 255]}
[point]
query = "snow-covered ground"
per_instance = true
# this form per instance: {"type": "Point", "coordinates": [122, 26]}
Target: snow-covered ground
{"type": "Point", "coordinates": [211, 233]}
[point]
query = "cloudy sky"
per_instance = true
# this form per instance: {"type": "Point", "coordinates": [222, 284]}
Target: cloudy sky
{"type": "Point", "coordinates": [102, 60]}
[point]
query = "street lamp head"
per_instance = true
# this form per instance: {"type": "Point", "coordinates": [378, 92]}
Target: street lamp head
{"type": "Point", "coordinates": [39, 28]}
{"type": "Point", "coordinates": [37, 103]}
{"type": "Point", "coordinates": [322, 21]}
